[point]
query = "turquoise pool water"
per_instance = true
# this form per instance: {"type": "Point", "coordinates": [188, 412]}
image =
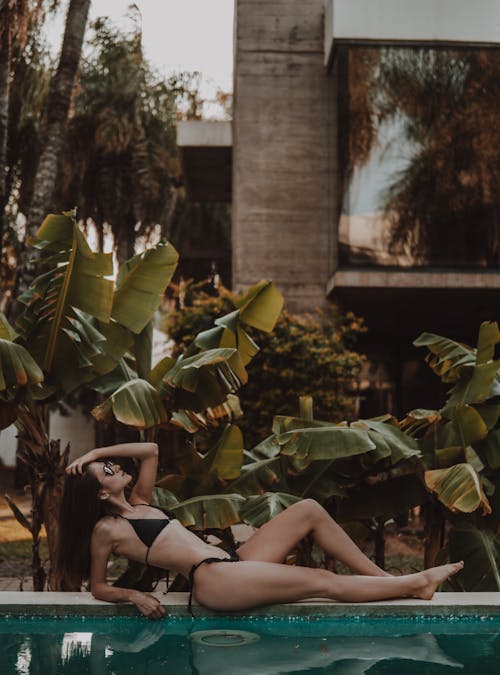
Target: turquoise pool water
{"type": "Point", "coordinates": [250, 646]}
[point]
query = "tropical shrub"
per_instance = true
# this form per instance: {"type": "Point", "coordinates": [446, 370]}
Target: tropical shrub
{"type": "Point", "coordinates": [447, 461]}
{"type": "Point", "coordinates": [304, 355]}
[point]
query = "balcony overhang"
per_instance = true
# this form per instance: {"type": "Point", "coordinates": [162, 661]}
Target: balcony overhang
{"type": "Point", "coordinates": [453, 22]}
{"type": "Point", "coordinates": [205, 150]}
{"type": "Point", "coordinates": [422, 279]}
{"type": "Point", "coordinates": [406, 302]}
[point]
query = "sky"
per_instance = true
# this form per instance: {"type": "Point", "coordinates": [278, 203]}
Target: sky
{"type": "Point", "coordinates": [192, 35]}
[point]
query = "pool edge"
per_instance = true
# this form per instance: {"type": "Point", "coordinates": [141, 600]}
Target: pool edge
{"type": "Point", "coordinates": [83, 604]}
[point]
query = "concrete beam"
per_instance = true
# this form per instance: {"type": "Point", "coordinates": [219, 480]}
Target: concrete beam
{"type": "Point", "coordinates": [424, 279]}
{"type": "Point", "coordinates": [407, 21]}
{"type": "Point", "coordinates": [195, 134]}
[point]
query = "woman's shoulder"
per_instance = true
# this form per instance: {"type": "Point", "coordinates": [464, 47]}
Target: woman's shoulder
{"type": "Point", "coordinates": [104, 527]}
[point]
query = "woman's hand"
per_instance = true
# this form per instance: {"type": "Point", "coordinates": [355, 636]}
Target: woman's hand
{"type": "Point", "coordinates": [148, 605]}
{"type": "Point", "coordinates": [77, 466]}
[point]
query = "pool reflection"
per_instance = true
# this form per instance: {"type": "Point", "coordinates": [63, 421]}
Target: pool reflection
{"type": "Point", "coordinates": [161, 647]}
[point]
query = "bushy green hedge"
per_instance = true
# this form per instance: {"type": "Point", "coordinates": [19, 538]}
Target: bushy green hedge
{"type": "Point", "coordinates": [306, 354]}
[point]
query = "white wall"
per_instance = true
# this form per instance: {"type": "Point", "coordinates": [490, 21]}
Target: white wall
{"type": "Point", "coordinates": [76, 428]}
{"type": "Point", "coordinates": [8, 445]}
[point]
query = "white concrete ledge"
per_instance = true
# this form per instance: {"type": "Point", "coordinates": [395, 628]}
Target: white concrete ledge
{"type": "Point", "coordinates": [83, 604]}
{"type": "Point", "coordinates": [444, 279]}
{"type": "Point", "coordinates": [204, 134]}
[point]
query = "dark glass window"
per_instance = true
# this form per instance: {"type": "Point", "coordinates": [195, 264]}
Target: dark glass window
{"type": "Point", "coordinates": [419, 139]}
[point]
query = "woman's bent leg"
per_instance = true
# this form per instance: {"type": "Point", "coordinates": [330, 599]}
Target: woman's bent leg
{"type": "Point", "coordinates": [247, 584]}
{"type": "Point", "coordinates": [274, 540]}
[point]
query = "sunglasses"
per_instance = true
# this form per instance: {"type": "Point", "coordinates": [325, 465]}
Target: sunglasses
{"type": "Point", "coordinates": [108, 468]}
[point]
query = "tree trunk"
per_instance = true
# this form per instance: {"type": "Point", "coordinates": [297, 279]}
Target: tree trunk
{"type": "Point", "coordinates": [47, 467]}
{"type": "Point", "coordinates": [380, 544]}
{"type": "Point", "coordinates": [50, 507]}
{"type": "Point", "coordinates": [434, 532]}
{"type": "Point", "coordinates": [58, 105]}
{"type": "Point", "coordinates": [125, 241]}
{"type": "Point", "coordinates": [5, 65]}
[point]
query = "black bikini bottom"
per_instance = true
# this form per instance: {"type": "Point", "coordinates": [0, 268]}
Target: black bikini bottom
{"type": "Point", "coordinates": [234, 558]}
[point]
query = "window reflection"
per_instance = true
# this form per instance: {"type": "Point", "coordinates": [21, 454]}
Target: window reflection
{"type": "Point", "coordinates": [419, 158]}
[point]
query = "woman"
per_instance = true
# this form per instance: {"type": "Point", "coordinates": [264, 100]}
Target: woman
{"type": "Point", "coordinates": [97, 520]}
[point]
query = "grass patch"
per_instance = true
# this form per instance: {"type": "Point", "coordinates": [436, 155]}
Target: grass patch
{"type": "Point", "coordinates": [21, 550]}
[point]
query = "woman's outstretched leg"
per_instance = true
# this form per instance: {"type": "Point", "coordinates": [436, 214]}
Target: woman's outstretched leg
{"type": "Point", "coordinates": [274, 540]}
{"type": "Point", "coordinates": [248, 584]}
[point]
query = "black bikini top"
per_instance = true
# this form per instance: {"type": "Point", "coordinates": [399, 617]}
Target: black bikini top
{"type": "Point", "coordinates": [148, 529]}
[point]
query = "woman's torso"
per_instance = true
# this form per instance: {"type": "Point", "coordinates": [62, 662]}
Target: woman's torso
{"type": "Point", "coordinates": [175, 548]}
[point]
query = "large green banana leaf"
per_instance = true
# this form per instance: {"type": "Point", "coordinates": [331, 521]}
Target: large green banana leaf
{"type": "Point", "coordinates": [111, 381]}
{"type": "Point", "coordinates": [473, 371]}
{"type": "Point", "coordinates": [257, 476]}
{"type": "Point", "coordinates": [320, 481]}
{"type": "Point", "coordinates": [198, 391]}
{"type": "Point", "coordinates": [227, 333]}
{"type": "Point", "coordinates": [400, 445]}
{"type": "Point", "coordinates": [18, 369]}
{"type": "Point", "coordinates": [6, 330]}
{"type": "Point", "coordinates": [480, 551]}
{"type": "Point", "coordinates": [259, 509]}
{"type": "Point", "coordinates": [420, 421]}
{"type": "Point", "coordinates": [56, 323]}
{"type": "Point", "coordinates": [206, 475]}
{"type": "Point", "coordinates": [307, 445]}
{"type": "Point", "coordinates": [204, 380]}
{"type": "Point", "coordinates": [135, 403]}
{"type": "Point", "coordinates": [446, 357]}
{"type": "Point", "coordinates": [458, 488]}
{"type": "Point", "coordinates": [140, 285]}
{"type": "Point", "coordinates": [193, 421]}
{"type": "Point", "coordinates": [202, 513]}
{"type": "Point", "coordinates": [226, 457]}
{"type": "Point", "coordinates": [118, 342]}
{"type": "Point", "coordinates": [259, 307]}
{"type": "Point", "coordinates": [17, 366]}
{"type": "Point", "coordinates": [284, 423]}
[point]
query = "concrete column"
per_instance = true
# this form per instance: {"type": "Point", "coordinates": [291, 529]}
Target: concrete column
{"type": "Point", "coordinates": [283, 158]}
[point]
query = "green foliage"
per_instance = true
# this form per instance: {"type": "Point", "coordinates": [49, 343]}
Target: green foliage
{"type": "Point", "coordinates": [462, 452]}
{"type": "Point", "coordinates": [303, 355]}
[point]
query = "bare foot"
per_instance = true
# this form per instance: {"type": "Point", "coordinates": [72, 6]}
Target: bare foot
{"type": "Point", "coordinates": [432, 577]}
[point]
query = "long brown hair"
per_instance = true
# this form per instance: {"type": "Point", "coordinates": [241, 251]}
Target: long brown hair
{"type": "Point", "coordinates": [81, 508]}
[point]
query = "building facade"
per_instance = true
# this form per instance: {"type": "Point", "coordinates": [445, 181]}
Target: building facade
{"type": "Point", "coordinates": [362, 169]}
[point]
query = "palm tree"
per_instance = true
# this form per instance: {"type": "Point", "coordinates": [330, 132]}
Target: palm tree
{"type": "Point", "coordinates": [17, 17]}
{"type": "Point", "coordinates": [119, 162]}
{"type": "Point", "coordinates": [58, 105]}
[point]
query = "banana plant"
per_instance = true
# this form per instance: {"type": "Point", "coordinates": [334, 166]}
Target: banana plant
{"type": "Point", "coordinates": [461, 450]}
{"type": "Point", "coordinates": [76, 326]}
{"type": "Point", "coordinates": [80, 329]}
{"type": "Point", "coordinates": [197, 389]}
{"type": "Point", "coordinates": [304, 458]}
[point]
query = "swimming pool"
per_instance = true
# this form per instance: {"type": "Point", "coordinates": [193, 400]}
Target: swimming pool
{"type": "Point", "coordinates": [316, 641]}
{"type": "Point", "coordinates": [252, 646]}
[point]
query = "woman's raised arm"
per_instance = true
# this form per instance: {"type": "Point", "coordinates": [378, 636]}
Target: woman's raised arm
{"type": "Point", "coordinates": [140, 451]}
{"type": "Point", "coordinates": [147, 453]}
